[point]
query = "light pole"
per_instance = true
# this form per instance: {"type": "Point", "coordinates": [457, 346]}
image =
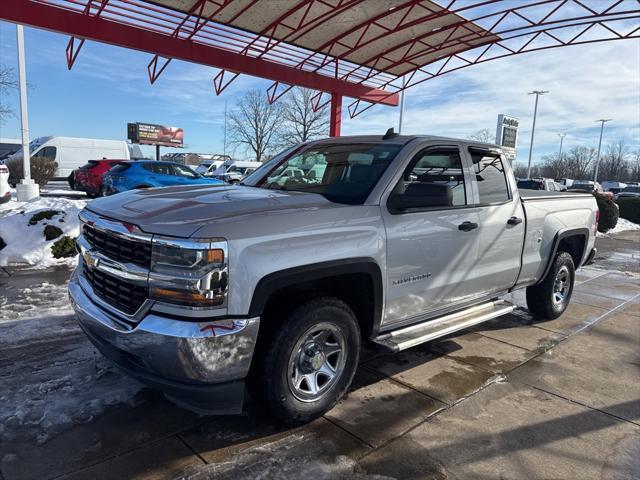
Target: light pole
{"type": "Point", "coordinates": [561, 135]}
{"type": "Point", "coordinates": [595, 175]}
{"type": "Point", "coordinates": [27, 188]}
{"type": "Point", "coordinates": [537, 93]}
{"type": "Point", "coordinates": [401, 107]}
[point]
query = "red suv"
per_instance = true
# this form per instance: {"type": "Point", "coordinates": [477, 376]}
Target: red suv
{"type": "Point", "coordinates": [88, 178]}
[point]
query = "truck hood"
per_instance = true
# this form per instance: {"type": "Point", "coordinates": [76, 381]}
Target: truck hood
{"type": "Point", "coordinates": [181, 211]}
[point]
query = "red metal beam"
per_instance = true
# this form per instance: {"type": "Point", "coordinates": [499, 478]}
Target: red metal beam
{"type": "Point", "coordinates": [335, 116]}
{"type": "Point", "coordinates": [104, 30]}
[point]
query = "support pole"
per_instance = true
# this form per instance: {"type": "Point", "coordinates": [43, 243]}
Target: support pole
{"type": "Point", "coordinates": [401, 108]}
{"type": "Point", "coordinates": [27, 189]}
{"type": "Point", "coordinates": [595, 174]}
{"type": "Point", "coordinates": [157, 152]}
{"type": "Point", "coordinates": [537, 93]}
{"type": "Point", "coordinates": [335, 116]}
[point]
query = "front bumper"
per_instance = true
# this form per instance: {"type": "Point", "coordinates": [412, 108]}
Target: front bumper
{"type": "Point", "coordinates": [201, 364]}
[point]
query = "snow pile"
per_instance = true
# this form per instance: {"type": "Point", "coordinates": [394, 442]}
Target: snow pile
{"type": "Point", "coordinates": [26, 244]}
{"type": "Point", "coordinates": [623, 225]}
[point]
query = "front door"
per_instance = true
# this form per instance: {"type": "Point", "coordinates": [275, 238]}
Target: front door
{"type": "Point", "coordinates": [431, 248]}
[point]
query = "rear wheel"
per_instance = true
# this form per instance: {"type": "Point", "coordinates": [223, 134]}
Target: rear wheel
{"type": "Point", "coordinates": [311, 360]}
{"type": "Point", "coordinates": [72, 181]}
{"type": "Point", "coordinates": [550, 298]}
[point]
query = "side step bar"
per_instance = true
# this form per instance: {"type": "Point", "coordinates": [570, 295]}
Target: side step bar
{"type": "Point", "coordinates": [408, 337]}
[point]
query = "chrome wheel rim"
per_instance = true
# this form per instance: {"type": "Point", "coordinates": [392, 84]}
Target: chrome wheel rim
{"type": "Point", "coordinates": [316, 362]}
{"type": "Point", "coordinates": [561, 285]}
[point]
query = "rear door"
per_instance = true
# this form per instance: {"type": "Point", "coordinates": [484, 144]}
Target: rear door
{"type": "Point", "coordinates": [501, 226]}
{"type": "Point", "coordinates": [431, 250]}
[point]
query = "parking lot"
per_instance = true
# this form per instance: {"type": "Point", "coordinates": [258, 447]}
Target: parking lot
{"type": "Point", "coordinates": [513, 398]}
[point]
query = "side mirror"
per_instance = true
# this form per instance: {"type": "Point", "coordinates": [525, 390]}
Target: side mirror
{"type": "Point", "coordinates": [422, 195]}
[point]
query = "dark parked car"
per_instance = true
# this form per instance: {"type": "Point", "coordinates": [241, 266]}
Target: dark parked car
{"type": "Point", "coordinates": [88, 178]}
{"type": "Point", "coordinates": [150, 173]}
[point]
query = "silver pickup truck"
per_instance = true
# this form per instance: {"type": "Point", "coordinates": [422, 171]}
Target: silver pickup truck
{"type": "Point", "coordinates": [277, 282]}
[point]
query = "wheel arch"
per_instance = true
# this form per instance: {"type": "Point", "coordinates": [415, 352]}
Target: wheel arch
{"type": "Point", "coordinates": [573, 241]}
{"type": "Point", "coordinates": [331, 278]}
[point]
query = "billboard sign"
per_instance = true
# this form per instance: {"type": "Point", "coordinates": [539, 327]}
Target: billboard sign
{"type": "Point", "coordinates": [152, 134]}
{"type": "Point", "coordinates": [507, 135]}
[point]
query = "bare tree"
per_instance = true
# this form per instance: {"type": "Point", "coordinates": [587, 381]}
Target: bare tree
{"type": "Point", "coordinates": [483, 135]}
{"type": "Point", "coordinates": [555, 167]}
{"type": "Point", "coordinates": [254, 124]}
{"type": "Point", "coordinates": [580, 162]}
{"type": "Point", "coordinates": [634, 167]}
{"type": "Point", "coordinates": [301, 123]}
{"type": "Point", "coordinates": [8, 82]}
{"type": "Point", "coordinates": [614, 164]}
{"type": "Point", "coordinates": [520, 170]}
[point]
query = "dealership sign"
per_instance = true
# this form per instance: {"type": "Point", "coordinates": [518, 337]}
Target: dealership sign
{"type": "Point", "coordinates": [507, 135]}
{"type": "Point", "coordinates": [151, 134]}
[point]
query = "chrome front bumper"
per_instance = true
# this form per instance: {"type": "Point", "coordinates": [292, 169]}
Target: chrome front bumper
{"type": "Point", "coordinates": [199, 363]}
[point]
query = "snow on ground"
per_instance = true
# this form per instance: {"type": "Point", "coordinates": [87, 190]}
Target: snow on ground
{"type": "Point", "coordinates": [26, 244]}
{"type": "Point", "coordinates": [41, 300]}
{"type": "Point", "coordinates": [52, 377]}
{"type": "Point", "coordinates": [623, 225]}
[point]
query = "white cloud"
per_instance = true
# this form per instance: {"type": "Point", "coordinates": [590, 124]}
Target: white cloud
{"type": "Point", "coordinates": [585, 83]}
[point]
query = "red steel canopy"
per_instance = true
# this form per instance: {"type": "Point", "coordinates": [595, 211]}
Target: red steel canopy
{"type": "Point", "coordinates": [368, 50]}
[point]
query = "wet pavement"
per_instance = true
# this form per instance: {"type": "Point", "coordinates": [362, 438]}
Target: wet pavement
{"type": "Point", "coordinates": [514, 398]}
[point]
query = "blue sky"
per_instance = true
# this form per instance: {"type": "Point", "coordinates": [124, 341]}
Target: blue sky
{"type": "Point", "coordinates": [108, 87]}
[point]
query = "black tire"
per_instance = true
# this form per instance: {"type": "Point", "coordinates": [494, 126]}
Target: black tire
{"type": "Point", "coordinates": [71, 179]}
{"type": "Point", "coordinates": [277, 389]}
{"type": "Point", "coordinates": [101, 192]}
{"type": "Point", "coordinates": [542, 299]}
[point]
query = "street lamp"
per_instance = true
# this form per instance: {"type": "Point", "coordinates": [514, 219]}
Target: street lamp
{"type": "Point", "coordinates": [537, 93]}
{"type": "Point", "coordinates": [561, 135]}
{"type": "Point", "coordinates": [27, 188]}
{"type": "Point", "coordinates": [595, 175]}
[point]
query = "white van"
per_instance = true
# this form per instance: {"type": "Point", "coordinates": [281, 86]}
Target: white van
{"type": "Point", "coordinates": [232, 171]}
{"type": "Point", "coordinates": [71, 153]}
{"type": "Point", "coordinates": [210, 163]}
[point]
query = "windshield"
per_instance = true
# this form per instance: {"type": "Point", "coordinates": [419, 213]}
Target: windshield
{"type": "Point", "coordinates": [342, 173]}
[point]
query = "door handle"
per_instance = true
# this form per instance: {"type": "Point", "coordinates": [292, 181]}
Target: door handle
{"type": "Point", "coordinates": [514, 221]}
{"type": "Point", "coordinates": [467, 226]}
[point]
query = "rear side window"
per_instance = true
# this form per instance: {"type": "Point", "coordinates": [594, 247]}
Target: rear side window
{"type": "Point", "coordinates": [120, 167]}
{"type": "Point", "coordinates": [441, 166]}
{"type": "Point", "coordinates": [490, 176]}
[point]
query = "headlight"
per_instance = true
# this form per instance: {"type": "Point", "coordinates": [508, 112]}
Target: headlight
{"type": "Point", "coordinates": [189, 272]}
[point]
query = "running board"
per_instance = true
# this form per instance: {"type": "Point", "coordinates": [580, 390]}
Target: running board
{"type": "Point", "coordinates": [408, 337]}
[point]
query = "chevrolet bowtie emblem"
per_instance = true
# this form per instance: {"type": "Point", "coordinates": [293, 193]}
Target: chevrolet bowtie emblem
{"type": "Point", "coordinates": [89, 259]}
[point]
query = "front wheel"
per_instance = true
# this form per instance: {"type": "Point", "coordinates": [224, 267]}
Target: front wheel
{"type": "Point", "coordinates": [311, 360]}
{"type": "Point", "coordinates": [550, 298]}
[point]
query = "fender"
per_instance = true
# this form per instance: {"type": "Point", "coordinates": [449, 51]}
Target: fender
{"type": "Point", "coordinates": [562, 234]}
{"type": "Point", "coordinates": [317, 271]}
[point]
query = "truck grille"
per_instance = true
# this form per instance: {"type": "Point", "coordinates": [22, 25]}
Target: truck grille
{"type": "Point", "coordinates": [118, 248]}
{"type": "Point", "coordinates": [120, 294]}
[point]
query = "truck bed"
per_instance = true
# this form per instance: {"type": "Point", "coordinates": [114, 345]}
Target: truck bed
{"type": "Point", "coordinates": [543, 194]}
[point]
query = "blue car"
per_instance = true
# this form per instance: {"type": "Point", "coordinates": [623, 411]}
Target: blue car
{"type": "Point", "coordinates": [150, 173]}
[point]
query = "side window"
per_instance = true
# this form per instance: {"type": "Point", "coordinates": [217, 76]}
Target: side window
{"type": "Point", "coordinates": [436, 175]}
{"type": "Point", "coordinates": [184, 171]}
{"type": "Point", "coordinates": [150, 167]}
{"type": "Point", "coordinates": [163, 169]}
{"type": "Point", "coordinates": [490, 176]}
{"type": "Point", "coordinates": [49, 153]}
